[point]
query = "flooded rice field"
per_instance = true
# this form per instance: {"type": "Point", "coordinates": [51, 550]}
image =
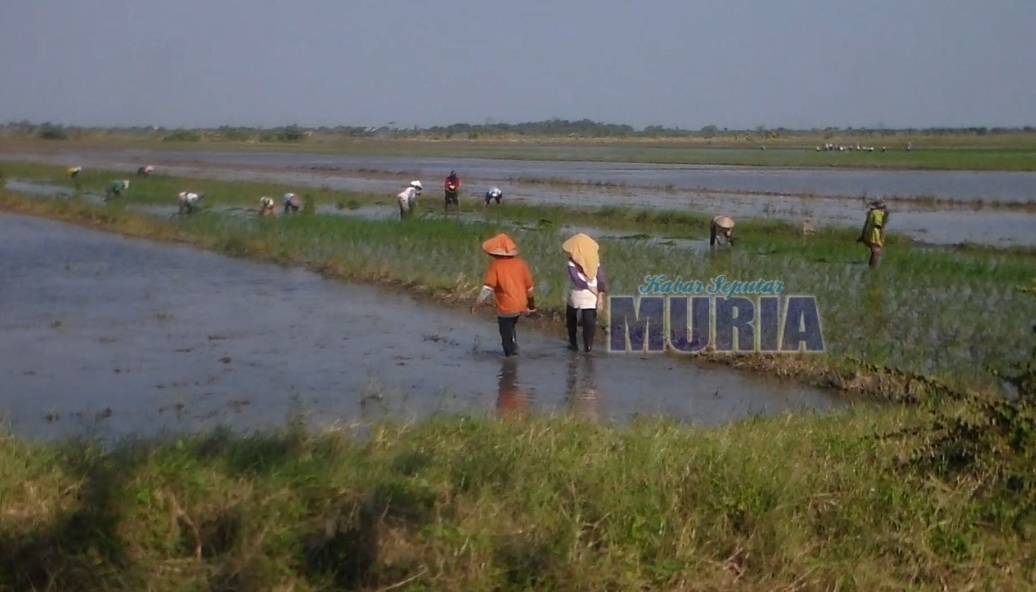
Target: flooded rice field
{"type": "Point", "coordinates": [921, 222]}
{"type": "Point", "coordinates": [120, 336]}
{"type": "Point", "coordinates": [956, 185]}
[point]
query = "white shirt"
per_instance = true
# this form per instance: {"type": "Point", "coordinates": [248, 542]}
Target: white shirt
{"type": "Point", "coordinates": [188, 197]}
{"type": "Point", "coordinates": [494, 192]}
{"type": "Point", "coordinates": [578, 298]}
{"type": "Point", "coordinates": [407, 197]}
{"type": "Point", "coordinates": [288, 196]}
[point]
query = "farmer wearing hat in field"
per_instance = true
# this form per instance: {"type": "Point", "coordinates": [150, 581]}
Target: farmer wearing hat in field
{"type": "Point", "coordinates": [292, 203]}
{"type": "Point", "coordinates": [873, 234]}
{"type": "Point", "coordinates": [187, 201]}
{"type": "Point", "coordinates": [408, 199]}
{"type": "Point", "coordinates": [115, 188]}
{"type": "Point", "coordinates": [722, 230]}
{"type": "Point", "coordinates": [266, 206]}
{"type": "Point", "coordinates": [510, 281]}
{"type": "Point", "coordinates": [586, 292]}
{"type": "Point", "coordinates": [494, 193]}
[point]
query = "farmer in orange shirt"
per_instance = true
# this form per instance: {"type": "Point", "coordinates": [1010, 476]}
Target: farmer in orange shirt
{"type": "Point", "coordinates": [510, 281]}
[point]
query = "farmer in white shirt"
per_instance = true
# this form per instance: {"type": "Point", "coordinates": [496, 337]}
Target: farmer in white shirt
{"type": "Point", "coordinates": [188, 200]}
{"type": "Point", "coordinates": [292, 202]}
{"type": "Point", "coordinates": [408, 199]}
{"type": "Point", "coordinates": [494, 193]}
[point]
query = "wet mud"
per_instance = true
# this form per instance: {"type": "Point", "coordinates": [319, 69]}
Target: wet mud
{"type": "Point", "coordinates": [117, 336]}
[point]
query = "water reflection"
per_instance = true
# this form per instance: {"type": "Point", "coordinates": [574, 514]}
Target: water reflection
{"type": "Point", "coordinates": [511, 400]}
{"type": "Point", "coordinates": [583, 396]}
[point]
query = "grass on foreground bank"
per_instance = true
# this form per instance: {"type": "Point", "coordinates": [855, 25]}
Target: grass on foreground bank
{"type": "Point", "coordinates": [924, 312]}
{"type": "Point", "coordinates": [928, 153]}
{"type": "Point", "coordinates": [867, 499]}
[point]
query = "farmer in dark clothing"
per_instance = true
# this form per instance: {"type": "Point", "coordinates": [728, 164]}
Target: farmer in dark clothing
{"type": "Point", "coordinates": [451, 191]}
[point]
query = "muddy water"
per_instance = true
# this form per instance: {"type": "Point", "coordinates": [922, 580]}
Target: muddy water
{"type": "Point", "coordinates": [988, 185]}
{"type": "Point", "coordinates": [115, 335]}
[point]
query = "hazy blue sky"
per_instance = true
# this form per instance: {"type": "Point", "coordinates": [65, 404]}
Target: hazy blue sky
{"type": "Point", "coordinates": [690, 63]}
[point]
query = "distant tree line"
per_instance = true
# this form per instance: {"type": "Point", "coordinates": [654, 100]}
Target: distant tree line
{"type": "Point", "coordinates": [552, 128]}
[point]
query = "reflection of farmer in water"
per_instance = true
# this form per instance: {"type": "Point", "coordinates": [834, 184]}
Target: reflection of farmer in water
{"type": "Point", "coordinates": [509, 280]}
{"type": "Point", "coordinates": [586, 292]}
{"type": "Point", "coordinates": [873, 234]}
{"type": "Point", "coordinates": [582, 394]}
{"type": "Point", "coordinates": [510, 400]}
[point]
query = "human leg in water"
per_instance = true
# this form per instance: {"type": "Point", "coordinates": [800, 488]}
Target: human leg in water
{"type": "Point", "coordinates": [571, 323]}
{"type": "Point", "coordinates": [589, 328]}
{"type": "Point", "coordinates": [588, 317]}
{"type": "Point", "coordinates": [508, 334]}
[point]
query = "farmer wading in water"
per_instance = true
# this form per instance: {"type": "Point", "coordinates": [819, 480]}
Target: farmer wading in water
{"type": "Point", "coordinates": [586, 292]}
{"type": "Point", "coordinates": [509, 280]}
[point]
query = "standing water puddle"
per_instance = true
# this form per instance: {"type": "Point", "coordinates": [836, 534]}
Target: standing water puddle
{"type": "Point", "coordinates": [126, 336]}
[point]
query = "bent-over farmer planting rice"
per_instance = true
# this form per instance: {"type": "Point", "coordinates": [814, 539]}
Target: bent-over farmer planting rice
{"type": "Point", "coordinates": [116, 188]}
{"type": "Point", "coordinates": [408, 199]}
{"type": "Point", "coordinates": [722, 230]}
{"type": "Point", "coordinates": [188, 201]}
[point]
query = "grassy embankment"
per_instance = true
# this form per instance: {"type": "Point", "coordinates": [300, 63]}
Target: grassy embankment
{"type": "Point", "coordinates": [936, 495]}
{"type": "Point", "coordinates": [851, 501]}
{"type": "Point", "coordinates": [925, 312]}
{"type": "Point", "coordinates": [1012, 152]}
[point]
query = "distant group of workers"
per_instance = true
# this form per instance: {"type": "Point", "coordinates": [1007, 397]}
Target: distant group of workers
{"type": "Point", "coordinates": [407, 199]}
{"type": "Point", "coordinates": [721, 228]}
{"type": "Point", "coordinates": [292, 203]}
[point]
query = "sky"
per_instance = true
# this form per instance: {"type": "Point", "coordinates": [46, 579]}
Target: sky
{"type": "Point", "coordinates": [684, 63]}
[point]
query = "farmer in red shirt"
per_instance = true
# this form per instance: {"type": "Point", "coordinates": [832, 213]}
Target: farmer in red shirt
{"type": "Point", "coordinates": [452, 191]}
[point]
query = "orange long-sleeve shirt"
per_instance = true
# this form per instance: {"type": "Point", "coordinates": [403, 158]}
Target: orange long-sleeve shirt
{"type": "Point", "coordinates": [510, 279]}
